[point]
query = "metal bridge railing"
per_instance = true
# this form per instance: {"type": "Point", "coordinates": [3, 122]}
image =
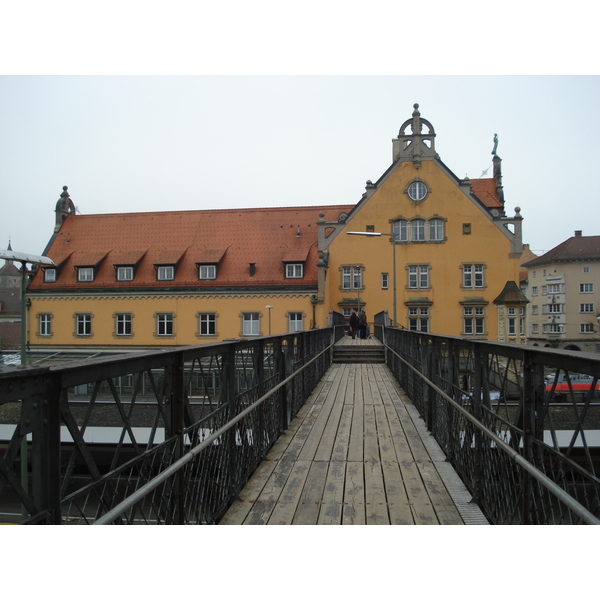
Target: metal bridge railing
{"type": "Point", "coordinates": [160, 437]}
{"type": "Point", "coordinates": [526, 446]}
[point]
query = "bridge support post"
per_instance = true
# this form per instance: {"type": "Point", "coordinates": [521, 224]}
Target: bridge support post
{"type": "Point", "coordinates": [44, 412]}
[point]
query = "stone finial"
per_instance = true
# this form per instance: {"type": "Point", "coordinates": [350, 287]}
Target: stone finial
{"type": "Point", "coordinates": [64, 208]}
{"type": "Point", "coordinates": [416, 125]}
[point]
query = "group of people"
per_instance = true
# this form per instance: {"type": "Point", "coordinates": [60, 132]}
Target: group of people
{"type": "Point", "coordinates": [358, 325]}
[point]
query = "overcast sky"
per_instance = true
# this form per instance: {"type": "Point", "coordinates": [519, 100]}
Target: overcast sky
{"type": "Point", "coordinates": [256, 136]}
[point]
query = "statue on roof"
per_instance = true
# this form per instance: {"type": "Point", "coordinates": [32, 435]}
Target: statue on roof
{"type": "Point", "coordinates": [495, 144]}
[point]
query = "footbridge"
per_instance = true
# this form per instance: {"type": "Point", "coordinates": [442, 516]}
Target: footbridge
{"type": "Point", "coordinates": [305, 428]}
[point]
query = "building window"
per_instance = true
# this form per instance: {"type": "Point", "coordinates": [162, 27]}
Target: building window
{"type": "Point", "coordinates": [385, 280]}
{"type": "Point", "coordinates": [401, 231]}
{"type": "Point", "coordinates": [534, 290]}
{"type": "Point", "coordinates": [586, 307]}
{"type": "Point", "coordinates": [473, 275]}
{"type": "Point", "coordinates": [165, 273]}
{"type": "Point", "coordinates": [586, 288]}
{"type": "Point", "coordinates": [418, 276]}
{"type": "Point", "coordinates": [296, 322]}
{"type": "Point", "coordinates": [512, 321]}
{"type": "Point", "coordinates": [124, 273]}
{"type": "Point", "coordinates": [250, 324]}
{"type": "Point", "coordinates": [207, 272]}
{"type": "Point", "coordinates": [207, 324]}
{"type": "Point", "coordinates": [417, 191]}
{"type": "Point", "coordinates": [294, 271]}
{"type": "Point", "coordinates": [554, 288]}
{"type": "Point", "coordinates": [164, 324]}
{"type": "Point", "coordinates": [436, 230]}
{"type": "Point", "coordinates": [45, 325]}
{"type": "Point", "coordinates": [474, 320]}
{"type": "Point", "coordinates": [586, 328]}
{"type": "Point", "coordinates": [49, 275]}
{"type": "Point", "coordinates": [418, 319]}
{"type": "Point", "coordinates": [552, 309]}
{"type": "Point", "coordinates": [586, 270]}
{"type": "Point", "coordinates": [83, 324]}
{"type": "Point", "coordinates": [351, 278]}
{"type": "Point", "coordinates": [123, 323]}
{"type": "Point", "coordinates": [417, 230]}
{"type": "Point", "coordinates": [554, 328]}
{"type": "Point", "coordinates": [85, 274]}
{"type": "Point", "coordinates": [534, 328]}
{"type": "Point", "coordinates": [534, 309]}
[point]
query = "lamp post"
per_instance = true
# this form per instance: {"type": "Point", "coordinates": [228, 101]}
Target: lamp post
{"type": "Point", "coordinates": [24, 258]}
{"type": "Point", "coordinates": [269, 307]}
{"type": "Point", "coordinates": [391, 235]}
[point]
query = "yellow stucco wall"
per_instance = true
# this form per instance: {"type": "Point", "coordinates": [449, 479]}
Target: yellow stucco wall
{"type": "Point", "coordinates": [144, 308]}
{"type": "Point", "coordinates": [485, 244]}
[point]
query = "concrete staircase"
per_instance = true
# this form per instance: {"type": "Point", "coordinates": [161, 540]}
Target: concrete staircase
{"type": "Point", "coordinates": [358, 354]}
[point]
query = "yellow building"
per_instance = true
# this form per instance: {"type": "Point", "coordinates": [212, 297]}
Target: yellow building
{"type": "Point", "coordinates": [456, 252]}
{"type": "Point", "coordinates": [142, 280]}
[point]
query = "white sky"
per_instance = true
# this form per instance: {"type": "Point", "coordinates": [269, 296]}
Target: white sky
{"type": "Point", "coordinates": [182, 115]}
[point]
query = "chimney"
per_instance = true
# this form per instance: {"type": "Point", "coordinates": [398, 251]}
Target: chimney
{"type": "Point", "coordinates": [578, 233]}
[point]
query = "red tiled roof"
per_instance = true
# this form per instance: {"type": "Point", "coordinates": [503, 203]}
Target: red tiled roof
{"type": "Point", "coordinates": [235, 237]}
{"type": "Point", "coordinates": [485, 190]}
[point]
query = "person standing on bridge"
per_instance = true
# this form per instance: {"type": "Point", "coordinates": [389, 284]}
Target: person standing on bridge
{"type": "Point", "coordinates": [353, 324]}
{"type": "Point", "coordinates": [362, 324]}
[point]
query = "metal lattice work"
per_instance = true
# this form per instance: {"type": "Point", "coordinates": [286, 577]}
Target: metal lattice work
{"type": "Point", "coordinates": [520, 425]}
{"type": "Point", "coordinates": [180, 431]}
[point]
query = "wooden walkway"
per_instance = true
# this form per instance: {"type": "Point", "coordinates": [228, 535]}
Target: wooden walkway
{"type": "Point", "coordinates": [357, 453]}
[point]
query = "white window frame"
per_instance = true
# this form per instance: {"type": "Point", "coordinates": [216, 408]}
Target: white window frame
{"type": "Point", "coordinates": [436, 230]}
{"type": "Point", "coordinates": [473, 275]}
{"type": "Point", "coordinates": [586, 328]}
{"type": "Point", "coordinates": [385, 281]}
{"type": "Point", "coordinates": [83, 324]}
{"type": "Point", "coordinates": [207, 272]}
{"type": "Point", "coordinates": [165, 273]}
{"type": "Point", "coordinates": [49, 275]}
{"type": "Point", "coordinates": [123, 325]}
{"type": "Point", "coordinates": [207, 324]}
{"type": "Point", "coordinates": [351, 278]}
{"type": "Point", "coordinates": [125, 273]}
{"type": "Point", "coordinates": [165, 325]}
{"type": "Point", "coordinates": [417, 230]}
{"type": "Point", "coordinates": [250, 324]}
{"type": "Point", "coordinates": [586, 288]}
{"type": "Point", "coordinates": [418, 318]}
{"type": "Point", "coordinates": [417, 191]}
{"type": "Point", "coordinates": [294, 271]}
{"type": "Point", "coordinates": [586, 307]}
{"type": "Point", "coordinates": [295, 322]}
{"type": "Point", "coordinates": [401, 230]}
{"type": "Point", "coordinates": [45, 324]}
{"type": "Point", "coordinates": [474, 320]}
{"type": "Point", "coordinates": [418, 277]}
{"type": "Point", "coordinates": [85, 274]}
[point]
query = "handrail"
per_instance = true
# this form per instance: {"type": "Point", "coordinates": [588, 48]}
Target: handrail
{"type": "Point", "coordinates": [571, 503]}
{"type": "Point", "coordinates": [138, 495]}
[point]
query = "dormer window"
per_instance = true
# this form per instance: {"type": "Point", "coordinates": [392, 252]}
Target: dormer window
{"type": "Point", "coordinates": [125, 273]}
{"type": "Point", "coordinates": [165, 273]}
{"type": "Point", "coordinates": [85, 274]}
{"type": "Point", "coordinates": [294, 271]}
{"type": "Point", "coordinates": [49, 275]}
{"type": "Point", "coordinates": [207, 272]}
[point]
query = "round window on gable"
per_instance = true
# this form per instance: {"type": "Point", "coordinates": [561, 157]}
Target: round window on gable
{"type": "Point", "coordinates": [417, 191]}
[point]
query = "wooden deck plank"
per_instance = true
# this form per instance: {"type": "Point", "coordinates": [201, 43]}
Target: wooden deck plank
{"type": "Point", "coordinates": [353, 455]}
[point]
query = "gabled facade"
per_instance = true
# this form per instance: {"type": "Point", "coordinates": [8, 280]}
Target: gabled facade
{"type": "Point", "coordinates": [455, 250]}
{"type": "Point", "coordinates": [177, 278]}
{"type": "Point", "coordinates": [564, 289]}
